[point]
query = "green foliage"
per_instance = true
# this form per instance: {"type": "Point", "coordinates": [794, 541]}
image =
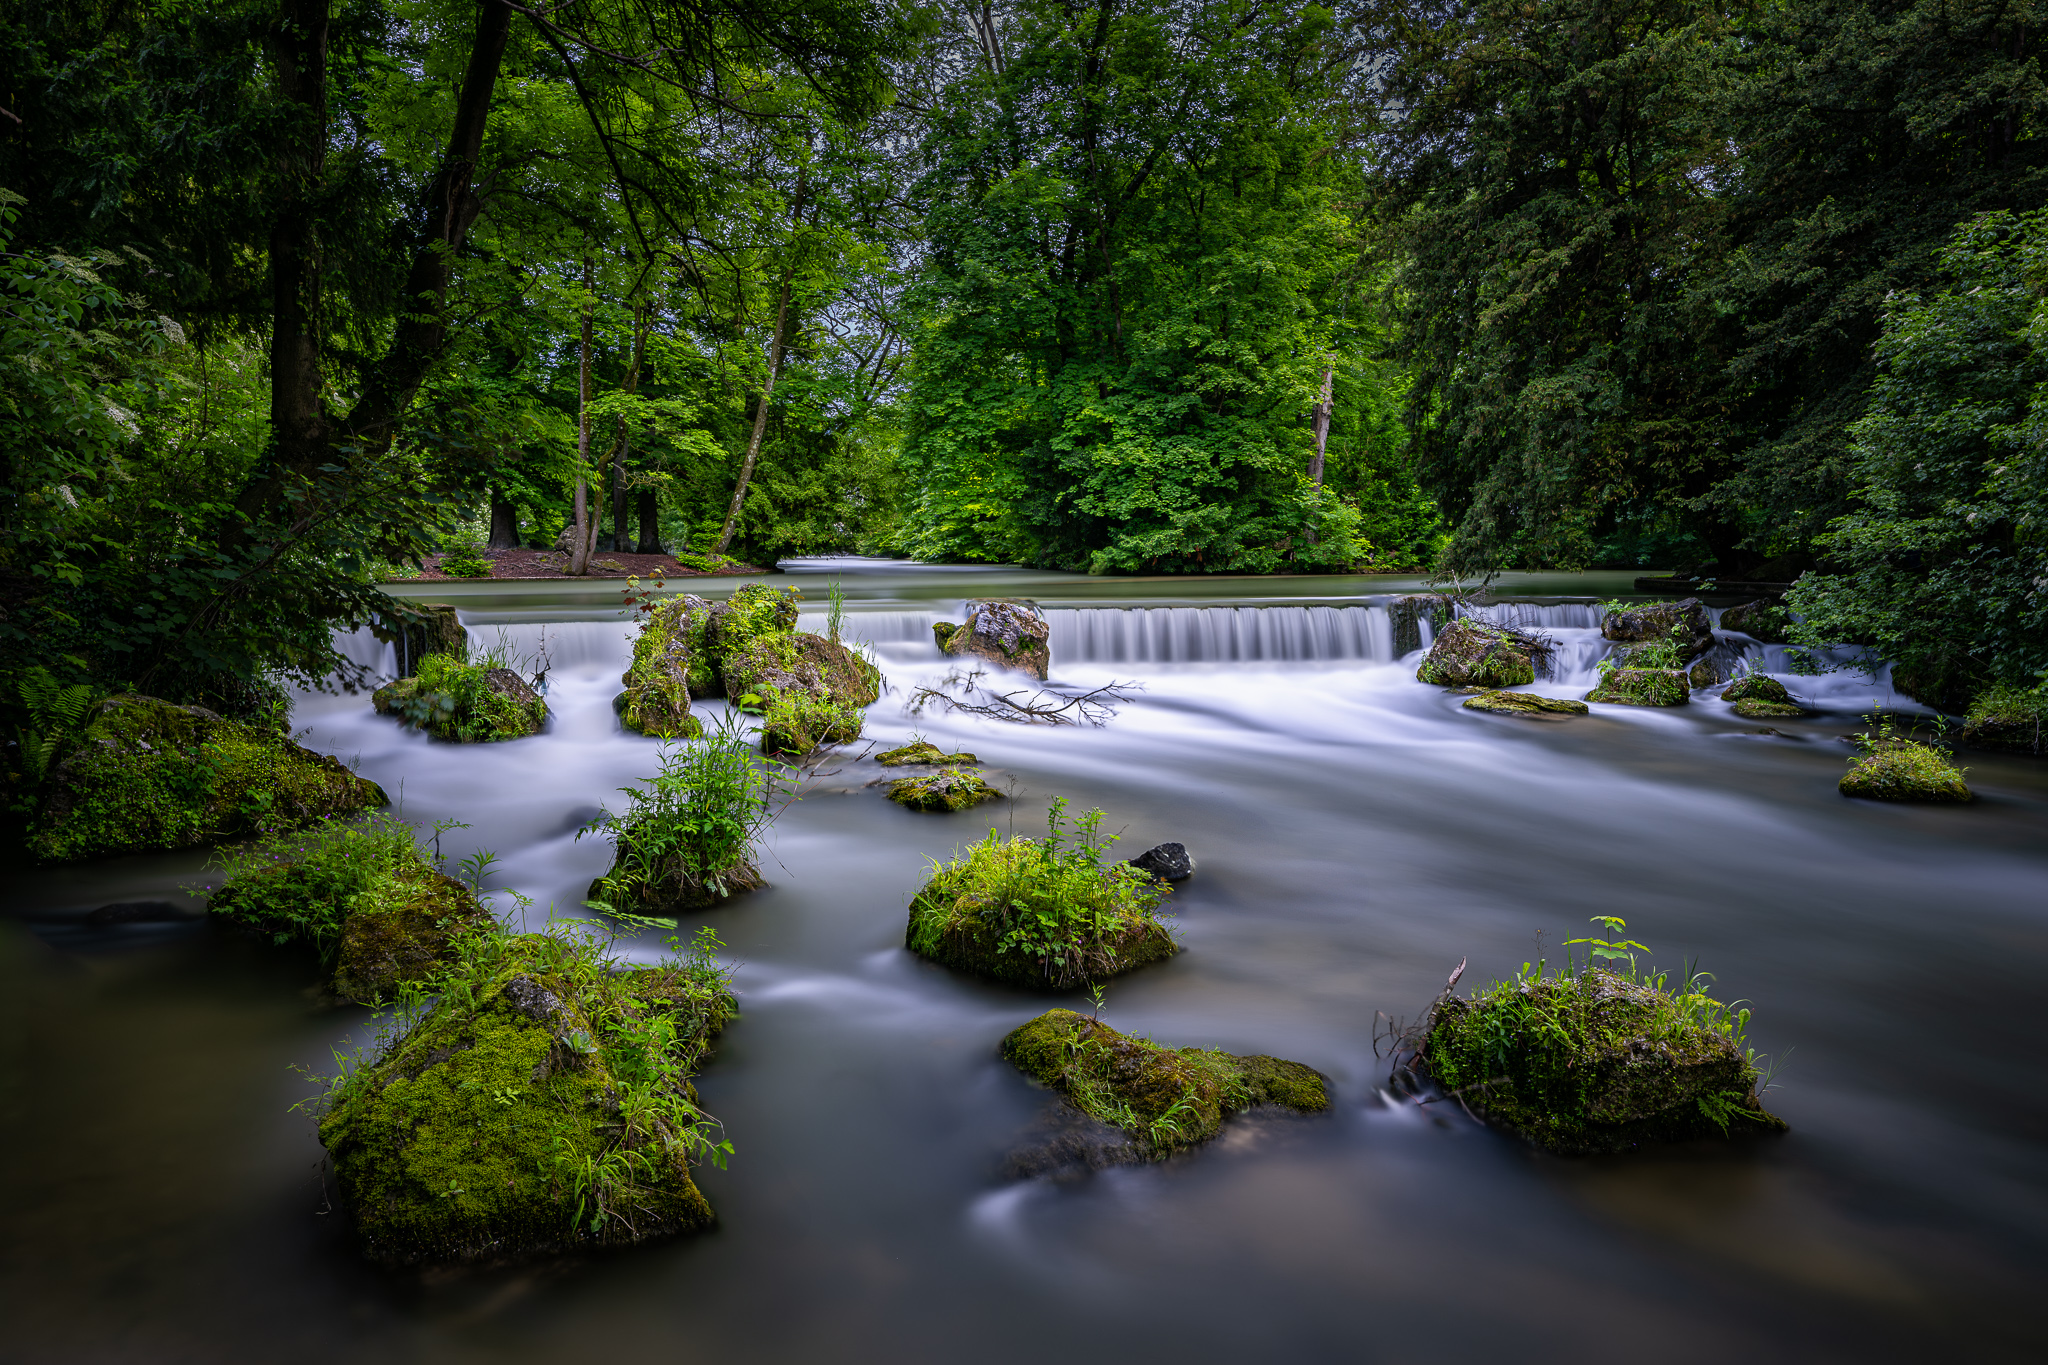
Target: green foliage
{"type": "Point", "coordinates": [1048, 911]}
{"type": "Point", "coordinates": [688, 835]}
{"type": "Point", "coordinates": [55, 717]}
{"type": "Point", "coordinates": [300, 886]}
{"type": "Point", "coordinates": [455, 699]}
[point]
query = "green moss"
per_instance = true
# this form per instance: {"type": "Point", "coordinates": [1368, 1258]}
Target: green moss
{"type": "Point", "coordinates": [1758, 687]}
{"type": "Point", "coordinates": [1525, 704]}
{"type": "Point", "coordinates": [942, 631]}
{"type": "Point", "coordinates": [2010, 718]}
{"type": "Point", "coordinates": [957, 790]}
{"type": "Point", "coordinates": [1473, 653]}
{"type": "Point", "coordinates": [1767, 710]}
{"type": "Point", "coordinates": [150, 775]}
{"type": "Point", "coordinates": [542, 1103]}
{"type": "Point", "coordinates": [753, 612]}
{"type": "Point", "coordinates": [921, 752]}
{"type": "Point", "coordinates": [1596, 1062]}
{"type": "Point", "coordinates": [1047, 913]}
{"type": "Point", "coordinates": [807, 689]}
{"type": "Point", "coordinates": [1166, 1099]}
{"type": "Point", "coordinates": [1905, 771]}
{"type": "Point", "coordinates": [671, 665]}
{"type": "Point", "coordinates": [1642, 687]}
{"type": "Point", "coordinates": [1007, 632]}
{"type": "Point", "coordinates": [463, 702]}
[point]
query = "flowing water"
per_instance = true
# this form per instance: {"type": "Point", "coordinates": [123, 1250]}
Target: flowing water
{"type": "Point", "coordinates": [1357, 834]}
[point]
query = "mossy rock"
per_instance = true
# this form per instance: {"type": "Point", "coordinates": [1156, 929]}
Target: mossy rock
{"type": "Point", "coordinates": [1757, 687]}
{"type": "Point", "coordinates": [922, 752]}
{"type": "Point", "coordinates": [1592, 1063]}
{"type": "Point", "coordinates": [1905, 771]}
{"type": "Point", "coordinates": [2009, 718]}
{"type": "Point", "coordinates": [417, 629]}
{"type": "Point", "coordinates": [672, 665]}
{"type": "Point", "coordinates": [463, 1140]}
{"type": "Point", "coordinates": [1683, 625]}
{"type": "Point", "coordinates": [1406, 615]}
{"type": "Point", "coordinates": [1007, 632]}
{"type": "Point", "coordinates": [1767, 710]}
{"type": "Point", "coordinates": [942, 631]}
{"type": "Point", "coordinates": [1525, 704]}
{"type": "Point", "coordinates": [149, 775]}
{"type": "Point", "coordinates": [1760, 620]}
{"type": "Point", "coordinates": [1473, 653]}
{"type": "Point", "coordinates": [954, 790]}
{"type": "Point", "coordinates": [671, 889]}
{"type": "Point", "coordinates": [808, 690]}
{"type": "Point", "coordinates": [1642, 687]}
{"type": "Point", "coordinates": [976, 948]}
{"type": "Point", "coordinates": [1164, 1099]}
{"type": "Point", "coordinates": [1703, 673]}
{"type": "Point", "coordinates": [754, 612]}
{"type": "Point", "coordinates": [463, 703]}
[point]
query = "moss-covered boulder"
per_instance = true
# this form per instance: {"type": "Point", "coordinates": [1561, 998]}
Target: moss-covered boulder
{"type": "Point", "coordinates": [1767, 710]}
{"type": "Point", "coordinates": [147, 774]}
{"type": "Point", "coordinates": [1758, 696]}
{"type": "Point", "coordinates": [1595, 1062]}
{"type": "Point", "coordinates": [921, 752]}
{"type": "Point", "coordinates": [462, 702]}
{"type": "Point", "coordinates": [1683, 625]}
{"type": "Point", "coordinates": [1164, 1099]}
{"type": "Point", "coordinates": [1007, 632]}
{"type": "Point", "coordinates": [942, 631]}
{"type": "Point", "coordinates": [1901, 770]}
{"type": "Point", "coordinates": [1525, 704]}
{"type": "Point", "coordinates": [807, 689]}
{"type": "Point", "coordinates": [1642, 687]}
{"type": "Point", "coordinates": [2009, 718]}
{"type": "Point", "coordinates": [1760, 620]}
{"type": "Point", "coordinates": [956, 789]}
{"type": "Point", "coordinates": [1047, 913]}
{"type": "Point", "coordinates": [672, 665]}
{"type": "Point", "coordinates": [1473, 653]}
{"type": "Point", "coordinates": [544, 1106]}
{"type": "Point", "coordinates": [753, 612]}
{"type": "Point", "coordinates": [360, 892]}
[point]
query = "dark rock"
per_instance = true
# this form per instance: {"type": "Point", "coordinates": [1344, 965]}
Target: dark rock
{"type": "Point", "coordinates": [1007, 632]}
{"type": "Point", "coordinates": [1478, 654]}
{"type": "Point", "coordinates": [1407, 615]}
{"type": "Point", "coordinates": [1762, 619]}
{"type": "Point", "coordinates": [1683, 624]}
{"type": "Point", "coordinates": [141, 912]}
{"type": "Point", "coordinates": [417, 629]}
{"type": "Point", "coordinates": [1166, 862]}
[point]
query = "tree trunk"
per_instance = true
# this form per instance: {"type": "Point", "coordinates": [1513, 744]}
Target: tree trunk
{"type": "Point", "coordinates": [504, 523]}
{"type": "Point", "coordinates": [739, 493]}
{"type": "Point", "coordinates": [642, 320]}
{"type": "Point", "coordinates": [1322, 426]}
{"type": "Point", "coordinates": [583, 531]}
{"type": "Point", "coordinates": [650, 525]}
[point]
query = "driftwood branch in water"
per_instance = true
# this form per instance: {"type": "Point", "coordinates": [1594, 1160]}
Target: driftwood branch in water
{"type": "Point", "coordinates": [964, 692]}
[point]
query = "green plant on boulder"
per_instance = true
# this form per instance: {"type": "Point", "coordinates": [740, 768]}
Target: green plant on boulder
{"type": "Point", "coordinates": [1165, 1099]}
{"type": "Point", "coordinates": [687, 837]}
{"type": "Point", "coordinates": [683, 649]}
{"type": "Point", "coordinates": [360, 892]}
{"type": "Point", "coordinates": [1598, 1058]}
{"type": "Point", "coordinates": [1048, 913]}
{"type": "Point", "coordinates": [2011, 718]}
{"type": "Point", "coordinates": [921, 751]}
{"type": "Point", "coordinates": [1758, 696]}
{"type": "Point", "coordinates": [942, 632]}
{"type": "Point", "coordinates": [1641, 687]}
{"type": "Point", "coordinates": [1525, 704]}
{"type": "Point", "coordinates": [543, 1102]}
{"type": "Point", "coordinates": [1905, 771]}
{"type": "Point", "coordinates": [808, 690]}
{"type": "Point", "coordinates": [1473, 653]}
{"type": "Point", "coordinates": [145, 774]}
{"type": "Point", "coordinates": [957, 789]}
{"type": "Point", "coordinates": [453, 699]}
{"type": "Point", "coordinates": [754, 611]}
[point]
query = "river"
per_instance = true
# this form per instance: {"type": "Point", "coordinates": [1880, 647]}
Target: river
{"type": "Point", "coordinates": [1356, 834]}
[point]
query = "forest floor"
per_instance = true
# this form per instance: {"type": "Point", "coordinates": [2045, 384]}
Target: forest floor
{"type": "Point", "coordinates": [523, 563]}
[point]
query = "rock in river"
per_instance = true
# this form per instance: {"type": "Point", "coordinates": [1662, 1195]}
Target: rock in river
{"type": "Point", "coordinates": [1166, 862]}
{"type": "Point", "coordinates": [1006, 632]}
{"type": "Point", "coordinates": [1473, 653]}
{"type": "Point", "coordinates": [1525, 704]}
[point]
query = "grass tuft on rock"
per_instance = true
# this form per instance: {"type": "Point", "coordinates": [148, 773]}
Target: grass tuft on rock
{"type": "Point", "coordinates": [956, 789]}
{"type": "Point", "coordinates": [1641, 687]}
{"type": "Point", "coordinates": [464, 702]}
{"type": "Point", "coordinates": [921, 751]}
{"type": "Point", "coordinates": [1166, 1099]}
{"type": "Point", "coordinates": [1905, 771]}
{"type": "Point", "coordinates": [2011, 718]}
{"type": "Point", "coordinates": [1591, 1059]}
{"type": "Point", "coordinates": [540, 1102]}
{"type": "Point", "coordinates": [1047, 913]}
{"type": "Point", "coordinates": [361, 893]}
{"type": "Point", "coordinates": [807, 690]}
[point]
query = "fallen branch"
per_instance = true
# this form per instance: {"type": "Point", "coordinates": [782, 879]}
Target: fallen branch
{"type": "Point", "coordinates": [1048, 706]}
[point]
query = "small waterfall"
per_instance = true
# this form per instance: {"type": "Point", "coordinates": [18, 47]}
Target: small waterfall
{"type": "Point", "coordinates": [1219, 634]}
{"type": "Point", "coordinates": [562, 646]}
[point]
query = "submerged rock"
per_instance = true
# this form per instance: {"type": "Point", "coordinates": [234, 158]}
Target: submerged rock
{"type": "Point", "coordinates": [463, 703]}
{"type": "Point", "coordinates": [1767, 710]}
{"type": "Point", "coordinates": [1525, 704]}
{"type": "Point", "coordinates": [1591, 1063]}
{"type": "Point", "coordinates": [809, 690]}
{"type": "Point", "coordinates": [1166, 862]}
{"type": "Point", "coordinates": [953, 790]}
{"type": "Point", "coordinates": [1901, 770]}
{"type": "Point", "coordinates": [147, 774]}
{"type": "Point", "coordinates": [1682, 624]}
{"type": "Point", "coordinates": [1473, 653]}
{"type": "Point", "coordinates": [921, 752]}
{"type": "Point", "coordinates": [544, 1107]}
{"type": "Point", "coordinates": [1007, 632]}
{"type": "Point", "coordinates": [2009, 718]}
{"type": "Point", "coordinates": [1642, 687]}
{"type": "Point", "coordinates": [1161, 1099]}
{"type": "Point", "coordinates": [1762, 619]}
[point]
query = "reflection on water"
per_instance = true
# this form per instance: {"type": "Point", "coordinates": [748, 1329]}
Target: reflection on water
{"type": "Point", "coordinates": [1357, 834]}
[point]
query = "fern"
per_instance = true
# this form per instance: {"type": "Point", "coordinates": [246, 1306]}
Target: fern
{"type": "Point", "coordinates": [56, 714]}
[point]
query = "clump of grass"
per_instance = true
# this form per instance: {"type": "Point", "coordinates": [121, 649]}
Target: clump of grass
{"type": "Point", "coordinates": [688, 834]}
{"type": "Point", "coordinates": [1047, 912]}
{"type": "Point", "coordinates": [468, 700]}
{"type": "Point", "coordinates": [1893, 768]}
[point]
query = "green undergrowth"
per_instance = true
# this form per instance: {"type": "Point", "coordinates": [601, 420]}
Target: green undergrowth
{"type": "Point", "coordinates": [1893, 768]}
{"type": "Point", "coordinates": [921, 751]}
{"type": "Point", "coordinates": [466, 701]}
{"type": "Point", "coordinates": [535, 1097]}
{"type": "Point", "coordinates": [363, 893]}
{"type": "Point", "coordinates": [2009, 717]}
{"type": "Point", "coordinates": [806, 689]}
{"type": "Point", "coordinates": [1048, 912]}
{"type": "Point", "coordinates": [1164, 1098]}
{"type": "Point", "coordinates": [1640, 687]}
{"type": "Point", "coordinates": [1600, 1058]}
{"type": "Point", "coordinates": [688, 835]}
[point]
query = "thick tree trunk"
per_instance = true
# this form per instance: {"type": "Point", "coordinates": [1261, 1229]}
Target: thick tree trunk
{"type": "Point", "coordinates": [583, 531]}
{"type": "Point", "coordinates": [739, 492]}
{"type": "Point", "coordinates": [504, 523]}
{"type": "Point", "coordinates": [1322, 426]}
{"type": "Point", "coordinates": [650, 525]}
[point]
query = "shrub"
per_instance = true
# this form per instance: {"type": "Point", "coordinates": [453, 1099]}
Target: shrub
{"type": "Point", "coordinates": [466, 702]}
{"type": "Point", "coordinates": [1048, 912]}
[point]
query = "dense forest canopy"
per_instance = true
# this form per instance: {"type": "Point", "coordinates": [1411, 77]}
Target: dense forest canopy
{"type": "Point", "coordinates": [297, 292]}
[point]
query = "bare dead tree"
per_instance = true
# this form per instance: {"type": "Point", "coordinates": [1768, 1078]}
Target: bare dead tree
{"type": "Point", "coordinates": [965, 692]}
